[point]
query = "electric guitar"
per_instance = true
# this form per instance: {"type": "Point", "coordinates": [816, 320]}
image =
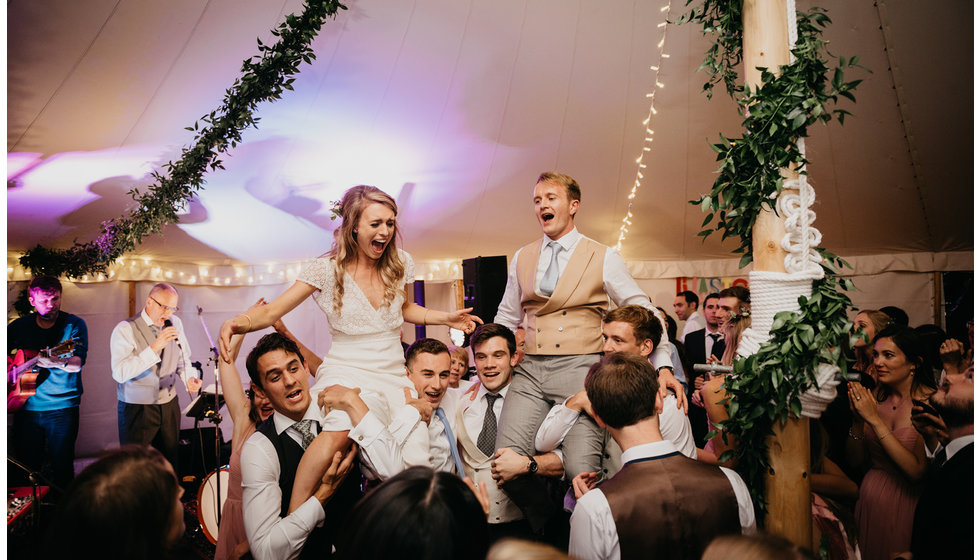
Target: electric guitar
{"type": "Point", "coordinates": [22, 372]}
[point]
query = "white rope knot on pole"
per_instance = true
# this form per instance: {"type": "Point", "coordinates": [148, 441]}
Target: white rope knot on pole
{"type": "Point", "coordinates": [773, 292]}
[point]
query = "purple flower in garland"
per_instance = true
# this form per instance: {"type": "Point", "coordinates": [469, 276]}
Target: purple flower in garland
{"type": "Point", "coordinates": [107, 241]}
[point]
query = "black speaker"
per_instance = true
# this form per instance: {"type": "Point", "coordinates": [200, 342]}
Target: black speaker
{"type": "Point", "coordinates": [484, 280]}
{"type": "Point", "coordinates": [195, 451]}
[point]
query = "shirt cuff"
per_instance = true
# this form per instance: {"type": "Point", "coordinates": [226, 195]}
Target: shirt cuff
{"type": "Point", "coordinates": [312, 510]}
{"type": "Point", "coordinates": [367, 430]}
{"type": "Point", "coordinates": [148, 356]}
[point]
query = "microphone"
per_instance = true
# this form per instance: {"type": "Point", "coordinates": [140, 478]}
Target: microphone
{"type": "Point", "coordinates": [169, 323]}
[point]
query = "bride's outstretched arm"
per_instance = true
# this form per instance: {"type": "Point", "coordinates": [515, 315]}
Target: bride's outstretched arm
{"type": "Point", "coordinates": [461, 320]}
{"type": "Point", "coordinates": [262, 317]}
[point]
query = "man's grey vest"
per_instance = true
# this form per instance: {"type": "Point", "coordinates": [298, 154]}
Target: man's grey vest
{"type": "Point", "coordinates": [155, 385]}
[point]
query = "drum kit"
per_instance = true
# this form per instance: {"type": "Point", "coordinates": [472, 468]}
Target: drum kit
{"type": "Point", "coordinates": [211, 498]}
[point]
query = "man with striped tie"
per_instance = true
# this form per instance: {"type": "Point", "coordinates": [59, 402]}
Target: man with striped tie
{"type": "Point", "coordinates": [272, 455]}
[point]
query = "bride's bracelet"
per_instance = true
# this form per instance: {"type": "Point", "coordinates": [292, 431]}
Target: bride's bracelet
{"type": "Point", "coordinates": [249, 328]}
{"type": "Point", "coordinates": [425, 318]}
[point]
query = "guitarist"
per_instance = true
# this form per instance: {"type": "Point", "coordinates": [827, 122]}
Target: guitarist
{"type": "Point", "coordinates": [46, 427]}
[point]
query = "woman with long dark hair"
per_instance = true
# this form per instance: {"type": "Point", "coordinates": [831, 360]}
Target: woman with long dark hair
{"type": "Point", "coordinates": [883, 439]}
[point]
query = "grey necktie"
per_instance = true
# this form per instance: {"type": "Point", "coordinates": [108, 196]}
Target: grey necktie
{"type": "Point", "coordinates": [550, 278]}
{"type": "Point", "coordinates": [304, 427]}
{"type": "Point", "coordinates": [155, 329]}
{"type": "Point", "coordinates": [488, 435]}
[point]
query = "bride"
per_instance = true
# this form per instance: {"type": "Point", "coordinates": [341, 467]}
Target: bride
{"type": "Point", "coordinates": [360, 284]}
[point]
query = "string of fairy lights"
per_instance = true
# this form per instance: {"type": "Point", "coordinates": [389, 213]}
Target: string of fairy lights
{"type": "Point", "coordinates": [149, 269]}
{"type": "Point", "coordinates": [647, 145]}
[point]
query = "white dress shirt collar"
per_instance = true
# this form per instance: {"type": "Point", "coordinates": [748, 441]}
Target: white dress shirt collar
{"type": "Point", "coordinates": [644, 450]}
{"type": "Point", "coordinates": [566, 241]}
{"type": "Point", "coordinates": [955, 445]}
{"type": "Point", "coordinates": [283, 422]}
{"type": "Point", "coordinates": [146, 318]}
{"type": "Point", "coordinates": [483, 391]}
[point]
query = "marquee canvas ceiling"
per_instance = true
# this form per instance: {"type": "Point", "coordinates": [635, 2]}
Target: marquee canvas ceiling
{"type": "Point", "coordinates": [454, 107]}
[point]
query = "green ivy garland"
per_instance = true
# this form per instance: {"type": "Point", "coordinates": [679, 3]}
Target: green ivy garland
{"type": "Point", "coordinates": [766, 387]}
{"type": "Point", "coordinates": [264, 78]}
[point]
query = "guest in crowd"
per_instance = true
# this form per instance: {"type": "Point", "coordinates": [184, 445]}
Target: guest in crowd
{"type": "Point", "coordinates": [686, 307]}
{"type": "Point", "coordinates": [494, 348]}
{"type": "Point", "coordinates": [150, 352]}
{"type": "Point", "coordinates": [459, 368]}
{"type": "Point", "coordinates": [832, 496]}
{"type": "Point", "coordinates": [943, 522]}
{"type": "Point", "coordinates": [734, 306]}
{"type": "Point", "coordinates": [898, 316]}
{"type": "Point", "coordinates": [702, 347]}
{"type": "Point", "coordinates": [677, 357]}
{"type": "Point", "coordinates": [45, 429]}
{"type": "Point", "coordinates": [422, 432]}
{"type": "Point", "coordinates": [661, 503]}
{"type": "Point", "coordinates": [557, 287]}
{"type": "Point", "coordinates": [932, 337]}
{"type": "Point", "coordinates": [247, 411]}
{"type": "Point", "coordinates": [869, 323]}
{"type": "Point", "coordinates": [631, 329]}
{"type": "Point", "coordinates": [836, 419]}
{"type": "Point", "coordinates": [518, 549]}
{"type": "Point", "coordinates": [124, 506]}
{"type": "Point", "coordinates": [760, 546]}
{"type": "Point", "coordinates": [883, 439]}
{"type": "Point", "coordinates": [420, 513]}
{"type": "Point", "coordinates": [280, 521]}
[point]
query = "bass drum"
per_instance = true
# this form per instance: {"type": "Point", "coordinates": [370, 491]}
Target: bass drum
{"type": "Point", "coordinates": [208, 502]}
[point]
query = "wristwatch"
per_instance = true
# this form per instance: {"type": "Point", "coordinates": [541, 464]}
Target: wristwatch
{"type": "Point", "coordinates": [532, 466]}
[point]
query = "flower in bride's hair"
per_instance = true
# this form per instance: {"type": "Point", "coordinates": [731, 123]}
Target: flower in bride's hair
{"type": "Point", "coordinates": [336, 210]}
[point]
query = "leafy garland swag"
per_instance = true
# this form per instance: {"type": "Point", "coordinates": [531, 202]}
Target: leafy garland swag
{"type": "Point", "coordinates": [766, 387]}
{"type": "Point", "coordinates": [264, 77]}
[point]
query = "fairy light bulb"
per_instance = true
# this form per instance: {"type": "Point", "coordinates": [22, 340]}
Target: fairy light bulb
{"type": "Point", "coordinates": [647, 126]}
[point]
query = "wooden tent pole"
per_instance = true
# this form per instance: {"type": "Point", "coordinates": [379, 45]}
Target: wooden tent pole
{"type": "Point", "coordinates": [766, 44]}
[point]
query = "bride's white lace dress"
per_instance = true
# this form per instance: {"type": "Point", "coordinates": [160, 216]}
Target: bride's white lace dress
{"type": "Point", "coordinates": [366, 351]}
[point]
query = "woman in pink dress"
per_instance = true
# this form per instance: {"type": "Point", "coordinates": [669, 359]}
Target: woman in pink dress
{"type": "Point", "coordinates": [882, 437]}
{"type": "Point", "coordinates": [247, 412]}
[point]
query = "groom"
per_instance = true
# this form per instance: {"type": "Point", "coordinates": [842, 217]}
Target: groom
{"type": "Point", "coordinates": [558, 287]}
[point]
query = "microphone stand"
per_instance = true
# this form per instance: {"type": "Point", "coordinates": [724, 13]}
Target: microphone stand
{"type": "Point", "coordinates": [213, 416]}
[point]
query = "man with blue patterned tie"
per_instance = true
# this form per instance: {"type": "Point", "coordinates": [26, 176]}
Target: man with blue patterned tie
{"type": "Point", "coordinates": [421, 433]}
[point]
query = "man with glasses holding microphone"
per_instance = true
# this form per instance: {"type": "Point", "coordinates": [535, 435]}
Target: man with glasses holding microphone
{"type": "Point", "coordinates": [149, 352]}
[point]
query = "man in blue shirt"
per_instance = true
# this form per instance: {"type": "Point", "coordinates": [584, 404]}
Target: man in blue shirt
{"type": "Point", "coordinates": [46, 427]}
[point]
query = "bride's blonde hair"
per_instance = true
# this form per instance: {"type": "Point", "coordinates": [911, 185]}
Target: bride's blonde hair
{"type": "Point", "coordinates": [344, 249]}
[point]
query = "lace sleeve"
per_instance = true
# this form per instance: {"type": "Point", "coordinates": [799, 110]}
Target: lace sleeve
{"type": "Point", "coordinates": [318, 274]}
{"type": "Point", "coordinates": [409, 267]}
